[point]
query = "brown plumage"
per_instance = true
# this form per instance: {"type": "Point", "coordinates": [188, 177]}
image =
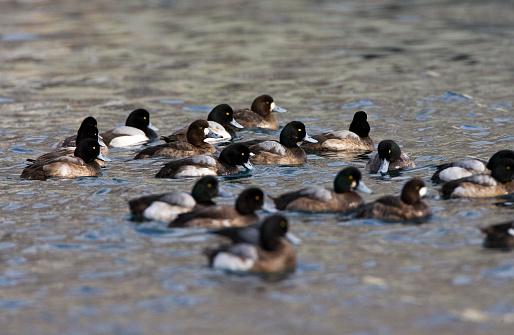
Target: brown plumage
{"type": "Point", "coordinates": [259, 114]}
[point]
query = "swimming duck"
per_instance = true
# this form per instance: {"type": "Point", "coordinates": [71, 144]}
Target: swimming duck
{"type": "Point", "coordinates": [197, 132]}
{"type": "Point", "coordinates": [357, 138]}
{"type": "Point", "coordinates": [88, 129]}
{"type": "Point", "coordinates": [137, 129]}
{"type": "Point", "coordinates": [207, 165]}
{"type": "Point", "coordinates": [408, 206]}
{"type": "Point", "coordinates": [500, 235]}
{"type": "Point", "coordinates": [166, 207]}
{"type": "Point", "coordinates": [498, 183]}
{"type": "Point", "coordinates": [81, 164]}
{"type": "Point", "coordinates": [219, 120]}
{"type": "Point", "coordinates": [314, 199]}
{"type": "Point", "coordinates": [243, 214]}
{"type": "Point", "coordinates": [270, 253]}
{"type": "Point", "coordinates": [259, 115]}
{"type": "Point", "coordinates": [85, 131]}
{"type": "Point", "coordinates": [469, 166]}
{"type": "Point", "coordinates": [286, 151]}
{"type": "Point", "coordinates": [388, 158]}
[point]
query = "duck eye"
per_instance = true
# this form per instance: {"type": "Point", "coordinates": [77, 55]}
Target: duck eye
{"type": "Point", "coordinates": [94, 148]}
{"type": "Point", "coordinates": [350, 177]}
{"type": "Point", "coordinates": [257, 198]}
{"type": "Point", "coordinates": [200, 128]}
{"type": "Point", "coordinates": [242, 154]}
{"type": "Point", "coordinates": [417, 188]}
{"type": "Point", "coordinates": [389, 151]}
{"type": "Point", "coordinates": [209, 185]}
{"type": "Point", "coordinates": [267, 102]}
{"type": "Point", "coordinates": [283, 224]}
{"type": "Point", "coordinates": [144, 117]}
{"type": "Point", "coordinates": [228, 113]}
{"type": "Point", "coordinates": [299, 130]}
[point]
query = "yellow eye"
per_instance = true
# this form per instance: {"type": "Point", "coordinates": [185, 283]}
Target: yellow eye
{"type": "Point", "coordinates": [209, 185]}
{"type": "Point", "coordinates": [417, 188]}
{"type": "Point", "coordinates": [350, 177]}
{"type": "Point", "coordinates": [200, 128]}
{"type": "Point", "coordinates": [144, 118]}
{"type": "Point", "coordinates": [94, 148]}
{"type": "Point", "coordinates": [242, 154]}
{"type": "Point", "coordinates": [228, 113]}
{"type": "Point", "coordinates": [299, 130]}
{"type": "Point", "coordinates": [257, 197]}
{"type": "Point", "coordinates": [267, 102]}
{"type": "Point", "coordinates": [283, 224]}
{"type": "Point", "coordinates": [389, 151]}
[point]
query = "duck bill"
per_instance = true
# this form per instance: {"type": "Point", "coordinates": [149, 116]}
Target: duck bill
{"type": "Point", "coordinates": [309, 139]}
{"type": "Point", "coordinates": [154, 128]}
{"type": "Point", "coordinates": [100, 138]}
{"type": "Point", "coordinates": [277, 109]}
{"type": "Point", "coordinates": [103, 158]}
{"type": "Point", "coordinates": [248, 166]}
{"type": "Point", "coordinates": [361, 187]}
{"type": "Point", "coordinates": [293, 239]}
{"type": "Point", "coordinates": [384, 166]}
{"type": "Point", "coordinates": [236, 124]}
{"type": "Point", "coordinates": [211, 134]}
{"type": "Point", "coordinates": [101, 143]}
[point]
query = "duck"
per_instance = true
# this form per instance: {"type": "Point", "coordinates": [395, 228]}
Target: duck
{"type": "Point", "coordinates": [357, 138]}
{"type": "Point", "coordinates": [220, 119]}
{"type": "Point", "coordinates": [88, 129]}
{"type": "Point", "coordinates": [85, 131]}
{"type": "Point", "coordinates": [285, 152]}
{"type": "Point", "coordinates": [270, 252]}
{"type": "Point", "coordinates": [81, 164]}
{"type": "Point", "coordinates": [407, 206]}
{"type": "Point", "coordinates": [260, 113]}
{"type": "Point", "coordinates": [320, 199]}
{"type": "Point", "coordinates": [197, 132]}
{"type": "Point", "coordinates": [498, 183]}
{"type": "Point", "coordinates": [500, 235]}
{"type": "Point", "coordinates": [207, 165]}
{"type": "Point", "coordinates": [137, 130]}
{"type": "Point", "coordinates": [388, 157]}
{"type": "Point", "coordinates": [165, 207]}
{"type": "Point", "coordinates": [468, 166]}
{"type": "Point", "coordinates": [243, 214]}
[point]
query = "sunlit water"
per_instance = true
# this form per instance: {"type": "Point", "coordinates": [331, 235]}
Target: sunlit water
{"type": "Point", "coordinates": [436, 77]}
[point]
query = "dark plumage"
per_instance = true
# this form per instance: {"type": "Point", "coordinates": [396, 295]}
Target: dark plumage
{"type": "Point", "coordinates": [260, 113]}
{"type": "Point", "coordinates": [243, 214]}
{"type": "Point", "coordinates": [341, 198]}
{"type": "Point", "coordinates": [408, 206]}
{"type": "Point", "coordinates": [357, 138]}
{"type": "Point", "coordinates": [197, 132]}
{"type": "Point", "coordinates": [500, 235]}
{"type": "Point", "coordinates": [498, 183]}
{"type": "Point", "coordinates": [138, 129]}
{"type": "Point", "coordinates": [267, 252]}
{"type": "Point", "coordinates": [388, 157]}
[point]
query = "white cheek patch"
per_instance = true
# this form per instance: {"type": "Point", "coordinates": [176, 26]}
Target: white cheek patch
{"type": "Point", "coordinates": [511, 231]}
{"type": "Point", "coordinates": [453, 173]}
{"type": "Point", "coordinates": [422, 192]}
{"type": "Point", "coordinates": [272, 106]}
{"type": "Point", "coordinates": [206, 131]}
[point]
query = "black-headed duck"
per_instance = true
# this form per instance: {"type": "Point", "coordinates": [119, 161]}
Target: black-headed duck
{"type": "Point", "coordinates": [260, 113]}
{"type": "Point", "coordinates": [388, 157]}
{"type": "Point", "coordinates": [220, 119]}
{"type": "Point", "coordinates": [81, 164]}
{"type": "Point", "coordinates": [166, 207]}
{"type": "Point", "coordinates": [357, 138]}
{"type": "Point", "coordinates": [286, 152]}
{"type": "Point", "coordinates": [88, 129]}
{"type": "Point", "coordinates": [243, 214]}
{"type": "Point", "coordinates": [407, 206]}
{"type": "Point", "coordinates": [137, 130]}
{"type": "Point", "coordinates": [469, 166]}
{"type": "Point", "coordinates": [206, 165]}
{"type": "Point", "coordinates": [314, 199]}
{"type": "Point", "coordinates": [499, 235]}
{"type": "Point", "coordinates": [498, 183]}
{"type": "Point", "coordinates": [197, 132]}
{"type": "Point", "coordinates": [270, 253]}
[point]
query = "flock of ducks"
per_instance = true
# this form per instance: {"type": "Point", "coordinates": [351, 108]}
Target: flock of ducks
{"type": "Point", "coordinates": [263, 246]}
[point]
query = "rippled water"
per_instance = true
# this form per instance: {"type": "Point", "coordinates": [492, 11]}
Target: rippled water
{"type": "Point", "coordinates": [435, 76]}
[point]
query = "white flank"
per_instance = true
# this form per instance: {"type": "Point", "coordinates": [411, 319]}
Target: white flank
{"type": "Point", "coordinates": [453, 173]}
{"type": "Point", "coordinates": [318, 192]}
{"type": "Point", "coordinates": [181, 199]}
{"type": "Point", "coordinates": [204, 160]}
{"type": "Point", "coordinates": [161, 211]}
{"type": "Point", "coordinates": [483, 179]}
{"type": "Point", "coordinates": [193, 171]}
{"type": "Point", "coordinates": [274, 147]}
{"type": "Point", "coordinates": [471, 164]}
{"type": "Point", "coordinates": [227, 261]}
{"type": "Point", "coordinates": [127, 141]}
{"type": "Point", "coordinates": [345, 134]}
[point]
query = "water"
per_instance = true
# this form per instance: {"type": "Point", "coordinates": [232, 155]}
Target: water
{"type": "Point", "coordinates": [435, 76]}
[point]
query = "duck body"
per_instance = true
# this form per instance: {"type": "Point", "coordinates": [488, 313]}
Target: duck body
{"type": "Point", "coordinates": [408, 206]}
{"type": "Point", "coordinates": [137, 130]}
{"type": "Point", "coordinates": [355, 139]}
{"type": "Point", "coordinates": [499, 235]}
{"type": "Point", "coordinates": [321, 199]}
{"type": "Point", "coordinates": [268, 252]}
{"type": "Point", "coordinates": [259, 115]}
{"type": "Point", "coordinates": [206, 165]}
